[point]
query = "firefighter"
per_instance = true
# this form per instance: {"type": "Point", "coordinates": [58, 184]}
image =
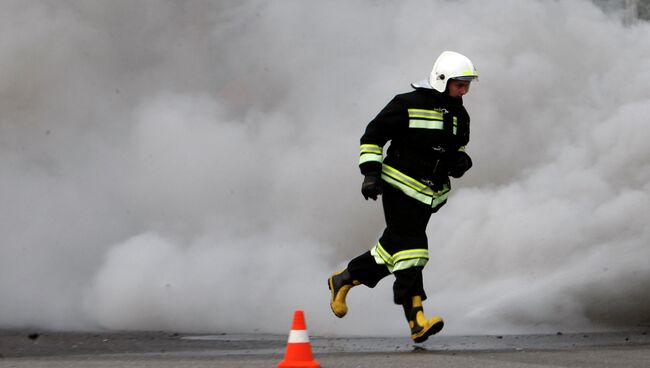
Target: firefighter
{"type": "Point", "coordinates": [428, 129]}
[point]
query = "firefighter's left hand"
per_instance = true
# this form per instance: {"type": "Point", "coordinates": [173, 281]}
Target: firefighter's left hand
{"type": "Point", "coordinates": [459, 163]}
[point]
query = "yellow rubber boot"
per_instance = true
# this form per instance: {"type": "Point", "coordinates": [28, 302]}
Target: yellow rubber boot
{"type": "Point", "coordinates": [340, 283]}
{"type": "Point", "coordinates": [421, 327]}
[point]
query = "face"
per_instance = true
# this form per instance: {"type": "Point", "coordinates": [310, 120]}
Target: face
{"type": "Point", "coordinates": [457, 88]}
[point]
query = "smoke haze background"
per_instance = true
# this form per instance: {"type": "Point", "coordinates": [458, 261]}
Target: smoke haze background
{"type": "Point", "coordinates": [192, 166]}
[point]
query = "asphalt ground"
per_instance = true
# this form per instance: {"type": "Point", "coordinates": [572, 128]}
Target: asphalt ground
{"type": "Point", "coordinates": [22, 348]}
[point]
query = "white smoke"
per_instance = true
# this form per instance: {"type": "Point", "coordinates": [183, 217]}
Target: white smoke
{"type": "Point", "coordinates": [192, 166]}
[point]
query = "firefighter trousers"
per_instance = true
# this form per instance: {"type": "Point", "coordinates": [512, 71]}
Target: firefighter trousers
{"type": "Point", "coordinates": [406, 222]}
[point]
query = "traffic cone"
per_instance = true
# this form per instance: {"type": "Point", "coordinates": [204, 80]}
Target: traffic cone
{"type": "Point", "coordinates": [298, 354]}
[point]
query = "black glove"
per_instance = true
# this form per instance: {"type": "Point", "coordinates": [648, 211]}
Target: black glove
{"type": "Point", "coordinates": [459, 163]}
{"type": "Point", "coordinates": [371, 186]}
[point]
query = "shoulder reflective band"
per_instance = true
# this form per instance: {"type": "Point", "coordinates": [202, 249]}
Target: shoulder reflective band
{"type": "Point", "coordinates": [426, 124]}
{"type": "Point", "coordinates": [414, 188]}
{"type": "Point", "coordinates": [425, 114]}
{"type": "Point", "coordinates": [370, 152]}
{"type": "Point", "coordinates": [400, 260]}
{"type": "Point", "coordinates": [425, 119]}
{"type": "Point", "coordinates": [429, 119]}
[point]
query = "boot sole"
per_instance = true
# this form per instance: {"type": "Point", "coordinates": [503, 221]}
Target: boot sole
{"type": "Point", "coordinates": [431, 331]}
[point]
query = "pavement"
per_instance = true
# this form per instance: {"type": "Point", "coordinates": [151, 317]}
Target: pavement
{"type": "Point", "coordinates": [30, 348]}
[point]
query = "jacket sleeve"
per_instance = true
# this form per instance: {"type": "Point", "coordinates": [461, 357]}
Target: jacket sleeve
{"type": "Point", "coordinates": [384, 127]}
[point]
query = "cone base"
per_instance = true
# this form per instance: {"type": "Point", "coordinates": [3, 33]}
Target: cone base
{"type": "Point", "coordinates": [297, 364]}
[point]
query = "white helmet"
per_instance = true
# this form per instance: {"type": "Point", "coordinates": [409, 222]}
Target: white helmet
{"type": "Point", "coordinates": [449, 65]}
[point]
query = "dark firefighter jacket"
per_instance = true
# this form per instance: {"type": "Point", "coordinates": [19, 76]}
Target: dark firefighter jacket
{"type": "Point", "coordinates": [426, 129]}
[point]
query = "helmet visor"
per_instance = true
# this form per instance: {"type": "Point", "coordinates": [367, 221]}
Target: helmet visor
{"type": "Point", "coordinates": [467, 78]}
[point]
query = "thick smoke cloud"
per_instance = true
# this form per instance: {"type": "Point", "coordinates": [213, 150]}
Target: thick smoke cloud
{"type": "Point", "coordinates": [192, 165]}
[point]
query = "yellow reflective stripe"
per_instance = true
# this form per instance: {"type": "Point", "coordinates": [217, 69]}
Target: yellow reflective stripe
{"type": "Point", "coordinates": [370, 157]}
{"type": "Point", "coordinates": [370, 152]}
{"type": "Point", "coordinates": [414, 188]}
{"type": "Point", "coordinates": [407, 180]}
{"type": "Point", "coordinates": [429, 119]}
{"type": "Point", "coordinates": [381, 256]}
{"type": "Point", "coordinates": [410, 263]}
{"type": "Point", "coordinates": [425, 114]}
{"type": "Point", "coordinates": [378, 259]}
{"type": "Point", "coordinates": [410, 254]}
{"type": "Point", "coordinates": [426, 124]}
{"type": "Point", "coordinates": [440, 197]}
{"type": "Point", "coordinates": [401, 260]}
{"type": "Point", "coordinates": [407, 190]}
{"type": "Point", "coordinates": [425, 119]}
{"type": "Point", "coordinates": [370, 148]}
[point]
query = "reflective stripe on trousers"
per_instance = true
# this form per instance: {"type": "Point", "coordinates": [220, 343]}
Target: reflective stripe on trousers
{"type": "Point", "coordinates": [401, 260]}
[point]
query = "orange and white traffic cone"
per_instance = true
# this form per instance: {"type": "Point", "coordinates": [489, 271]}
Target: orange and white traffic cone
{"type": "Point", "coordinates": [298, 354]}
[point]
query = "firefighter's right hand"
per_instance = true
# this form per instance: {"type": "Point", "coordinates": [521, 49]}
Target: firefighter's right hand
{"type": "Point", "coordinates": [371, 186]}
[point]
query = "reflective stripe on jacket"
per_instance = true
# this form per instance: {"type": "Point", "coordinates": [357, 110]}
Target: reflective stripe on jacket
{"type": "Point", "coordinates": [414, 188]}
{"type": "Point", "coordinates": [424, 127]}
